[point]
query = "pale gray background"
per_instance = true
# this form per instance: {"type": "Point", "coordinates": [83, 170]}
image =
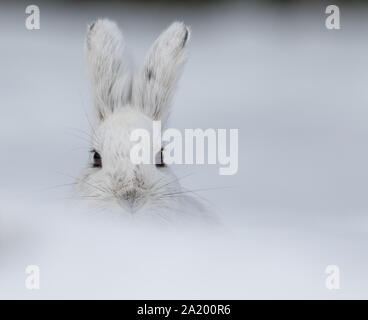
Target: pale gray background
{"type": "Point", "coordinates": [296, 91]}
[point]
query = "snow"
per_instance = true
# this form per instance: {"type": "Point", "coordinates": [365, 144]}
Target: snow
{"type": "Point", "coordinates": [296, 92]}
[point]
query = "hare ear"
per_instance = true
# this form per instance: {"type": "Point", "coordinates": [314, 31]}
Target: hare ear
{"type": "Point", "coordinates": [154, 85]}
{"type": "Point", "coordinates": [108, 67]}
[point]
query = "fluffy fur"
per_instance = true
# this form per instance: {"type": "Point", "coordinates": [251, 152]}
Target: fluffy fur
{"type": "Point", "coordinates": [124, 102]}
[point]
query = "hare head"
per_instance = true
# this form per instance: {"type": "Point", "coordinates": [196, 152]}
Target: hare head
{"type": "Point", "coordinates": [124, 102]}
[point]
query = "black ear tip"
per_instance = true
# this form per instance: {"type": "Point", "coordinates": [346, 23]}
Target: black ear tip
{"type": "Point", "coordinates": [186, 36]}
{"type": "Point", "coordinates": [91, 26]}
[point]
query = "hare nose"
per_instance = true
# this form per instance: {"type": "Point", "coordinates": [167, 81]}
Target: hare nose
{"type": "Point", "coordinates": [130, 196]}
{"type": "Point", "coordinates": [130, 200]}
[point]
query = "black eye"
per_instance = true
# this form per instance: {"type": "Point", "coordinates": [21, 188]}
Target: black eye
{"type": "Point", "coordinates": [97, 161]}
{"type": "Point", "coordinates": [160, 159]}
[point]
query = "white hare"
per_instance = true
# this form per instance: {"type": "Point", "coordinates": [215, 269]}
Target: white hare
{"type": "Point", "coordinates": [125, 101]}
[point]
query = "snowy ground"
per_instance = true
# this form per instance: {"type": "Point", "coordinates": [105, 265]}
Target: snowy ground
{"type": "Point", "coordinates": [296, 91]}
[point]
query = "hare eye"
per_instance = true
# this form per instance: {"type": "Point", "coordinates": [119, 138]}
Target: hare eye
{"type": "Point", "coordinates": [160, 159]}
{"type": "Point", "coordinates": [97, 161]}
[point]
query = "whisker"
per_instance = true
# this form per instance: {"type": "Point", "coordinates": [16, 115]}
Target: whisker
{"type": "Point", "coordinates": [195, 190]}
{"type": "Point", "coordinates": [175, 180]}
{"type": "Point", "coordinates": [81, 131]}
{"type": "Point", "coordinates": [61, 185]}
{"type": "Point", "coordinates": [87, 183]}
{"type": "Point", "coordinates": [80, 137]}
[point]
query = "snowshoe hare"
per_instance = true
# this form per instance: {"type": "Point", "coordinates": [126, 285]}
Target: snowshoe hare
{"type": "Point", "coordinates": [125, 101]}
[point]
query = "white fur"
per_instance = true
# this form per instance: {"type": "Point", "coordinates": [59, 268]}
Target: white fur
{"type": "Point", "coordinates": [108, 67]}
{"type": "Point", "coordinates": [124, 103]}
{"type": "Point", "coordinates": [154, 85]}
